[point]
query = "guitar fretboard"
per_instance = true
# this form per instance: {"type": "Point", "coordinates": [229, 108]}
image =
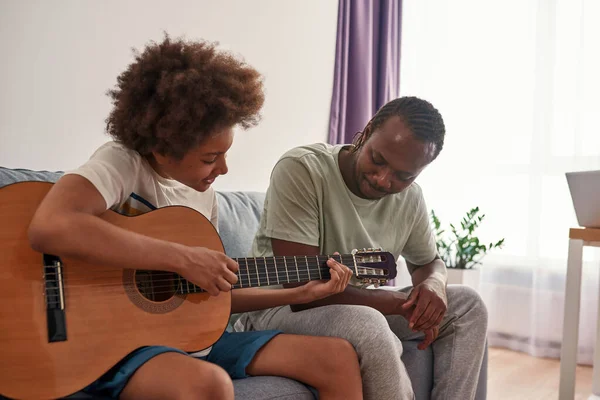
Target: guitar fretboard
{"type": "Point", "coordinates": [268, 271]}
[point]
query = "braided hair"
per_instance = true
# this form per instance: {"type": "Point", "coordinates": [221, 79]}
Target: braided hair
{"type": "Point", "coordinates": [424, 121]}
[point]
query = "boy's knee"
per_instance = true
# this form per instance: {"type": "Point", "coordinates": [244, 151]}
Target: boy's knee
{"type": "Point", "coordinates": [214, 384]}
{"type": "Point", "coordinates": [334, 358]}
{"type": "Point", "coordinates": [344, 349]}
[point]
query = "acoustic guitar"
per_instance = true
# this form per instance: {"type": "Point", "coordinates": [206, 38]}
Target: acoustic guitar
{"type": "Point", "coordinates": [65, 323]}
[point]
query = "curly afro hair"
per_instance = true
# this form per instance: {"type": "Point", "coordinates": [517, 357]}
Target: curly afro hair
{"type": "Point", "coordinates": [178, 93]}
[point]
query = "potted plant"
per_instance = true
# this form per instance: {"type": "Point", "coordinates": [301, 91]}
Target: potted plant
{"type": "Point", "coordinates": [461, 249]}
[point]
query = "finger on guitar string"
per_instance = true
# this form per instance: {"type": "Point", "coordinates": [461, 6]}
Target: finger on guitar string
{"type": "Point", "coordinates": [337, 280]}
{"type": "Point", "coordinates": [232, 265]}
{"type": "Point", "coordinates": [345, 273]}
{"type": "Point", "coordinates": [223, 285]}
{"type": "Point", "coordinates": [230, 277]}
{"type": "Point", "coordinates": [210, 269]}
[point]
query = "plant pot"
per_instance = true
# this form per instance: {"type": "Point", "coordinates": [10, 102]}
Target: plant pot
{"type": "Point", "coordinates": [468, 277]}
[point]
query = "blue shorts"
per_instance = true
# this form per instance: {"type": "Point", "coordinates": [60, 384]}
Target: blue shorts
{"type": "Point", "coordinates": [233, 352]}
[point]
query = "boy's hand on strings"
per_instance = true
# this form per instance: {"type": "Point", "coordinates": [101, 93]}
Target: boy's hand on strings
{"type": "Point", "coordinates": [212, 270]}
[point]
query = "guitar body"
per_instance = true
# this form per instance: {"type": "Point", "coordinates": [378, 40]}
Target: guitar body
{"type": "Point", "coordinates": [99, 313]}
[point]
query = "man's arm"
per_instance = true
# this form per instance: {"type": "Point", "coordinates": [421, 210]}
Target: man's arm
{"type": "Point", "coordinates": [428, 294]}
{"type": "Point", "coordinates": [435, 270]}
{"type": "Point", "coordinates": [387, 302]}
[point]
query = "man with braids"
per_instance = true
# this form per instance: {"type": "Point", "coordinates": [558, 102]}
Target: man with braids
{"type": "Point", "coordinates": [325, 198]}
{"type": "Point", "coordinates": [175, 108]}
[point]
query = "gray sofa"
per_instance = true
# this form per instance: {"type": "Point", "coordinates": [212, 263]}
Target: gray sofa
{"type": "Point", "coordinates": [239, 214]}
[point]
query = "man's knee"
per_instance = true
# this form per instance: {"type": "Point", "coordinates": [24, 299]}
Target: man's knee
{"type": "Point", "coordinates": [465, 300]}
{"type": "Point", "coordinates": [365, 327]}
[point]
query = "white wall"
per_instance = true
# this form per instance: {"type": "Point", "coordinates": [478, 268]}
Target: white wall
{"type": "Point", "coordinates": [60, 57]}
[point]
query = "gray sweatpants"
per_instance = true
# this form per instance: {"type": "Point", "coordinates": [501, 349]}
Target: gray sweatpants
{"type": "Point", "coordinates": [458, 351]}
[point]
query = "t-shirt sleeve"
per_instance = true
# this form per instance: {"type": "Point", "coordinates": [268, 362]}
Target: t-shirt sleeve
{"type": "Point", "coordinates": [420, 248]}
{"type": "Point", "coordinates": [292, 207]}
{"type": "Point", "coordinates": [112, 170]}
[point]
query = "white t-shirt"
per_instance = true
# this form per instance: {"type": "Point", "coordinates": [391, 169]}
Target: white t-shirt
{"type": "Point", "coordinates": [130, 186]}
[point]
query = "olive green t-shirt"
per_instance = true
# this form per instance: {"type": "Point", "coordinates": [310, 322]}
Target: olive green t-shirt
{"type": "Point", "coordinates": [308, 202]}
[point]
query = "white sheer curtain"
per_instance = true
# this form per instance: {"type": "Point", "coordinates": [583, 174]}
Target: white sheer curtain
{"type": "Point", "coordinates": [518, 85]}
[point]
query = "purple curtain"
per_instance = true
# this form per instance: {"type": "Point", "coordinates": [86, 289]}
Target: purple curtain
{"type": "Point", "coordinates": [367, 64]}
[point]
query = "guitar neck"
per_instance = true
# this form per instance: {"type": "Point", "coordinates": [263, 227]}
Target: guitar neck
{"type": "Point", "coordinates": [268, 271]}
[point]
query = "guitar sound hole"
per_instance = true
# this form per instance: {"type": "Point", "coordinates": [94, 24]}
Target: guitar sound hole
{"type": "Point", "coordinates": [157, 285]}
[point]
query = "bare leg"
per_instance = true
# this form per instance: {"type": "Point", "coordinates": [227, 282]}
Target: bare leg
{"type": "Point", "coordinates": [174, 376]}
{"type": "Point", "coordinates": [328, 364]}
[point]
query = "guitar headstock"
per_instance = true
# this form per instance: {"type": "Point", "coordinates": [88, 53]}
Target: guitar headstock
{"type": "Point", "coordinates": [374, 266]}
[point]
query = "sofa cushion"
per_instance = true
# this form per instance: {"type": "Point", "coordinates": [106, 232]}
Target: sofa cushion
{"type": "Point", "coordinates": [254, 388]}
{"type": "Point", "coordinates": [239, 217]}
{"type": "Point", "coordinates": [270, 387]}
{"type": "Point", "coordinates": [8, 176]}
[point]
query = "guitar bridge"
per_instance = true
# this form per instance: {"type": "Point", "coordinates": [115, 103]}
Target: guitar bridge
{"type": "Point", "coordinates": [55, 299]}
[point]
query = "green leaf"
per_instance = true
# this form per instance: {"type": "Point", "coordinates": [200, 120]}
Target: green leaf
{"type": "Point", "coordinates": [462, 248]}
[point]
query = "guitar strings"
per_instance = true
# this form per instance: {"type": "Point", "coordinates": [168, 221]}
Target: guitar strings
{"type": "Point", "coordinates": [175, 285]}
{"type": "Point", "coordinates": [292, 266]}
{"type": "Point", "coordinates": [172, 290]}
{"type": "Point", "coordinates": [51, 277]}
{"type": "Point", "coordinates": [170, 280]}
{"type": "Point", "coordinates": [242, 281]}
{"type": "Point", "coordinates": [243, 269]}
{"type": "Point", "coordinates": [118, 289]}
{"type": "Point", "coordinates": [311, 264]}
{"type": "Point", "coordinates": [175, 288]}
{"type": "Point", "coordinates": [75, 292]}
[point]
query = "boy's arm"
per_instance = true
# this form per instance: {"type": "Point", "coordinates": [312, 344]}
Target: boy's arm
{"type": "Point", "coordinates": [387, 302]}
{"type": "Point", "coordinates": [67, 224]}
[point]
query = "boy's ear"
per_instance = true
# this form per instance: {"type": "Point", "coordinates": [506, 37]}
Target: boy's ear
{"type": "Point", "coordinates": [160, 159]}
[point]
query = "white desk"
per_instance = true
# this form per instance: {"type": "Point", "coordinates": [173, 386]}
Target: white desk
{"type": "Point", "coordinates": [578, 237]}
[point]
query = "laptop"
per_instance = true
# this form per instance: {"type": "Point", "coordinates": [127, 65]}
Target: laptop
{"type": "Point", "coordinates": [585, 193]}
